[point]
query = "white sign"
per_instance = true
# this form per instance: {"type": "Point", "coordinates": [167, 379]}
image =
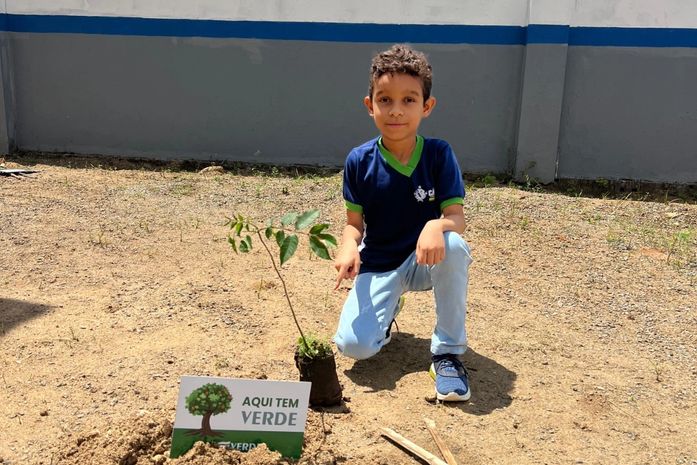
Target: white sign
{"type": "Point", "coordinates": [240, 414]}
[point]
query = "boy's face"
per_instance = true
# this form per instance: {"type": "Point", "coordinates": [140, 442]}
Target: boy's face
{"type": "Point", "coordinates": [397, 106]}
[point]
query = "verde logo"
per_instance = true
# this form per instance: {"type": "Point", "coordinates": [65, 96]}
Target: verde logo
{"type": "Point", "coordinates": [208, 400]}
{"type": "Point", "coordinates": [421, 194]}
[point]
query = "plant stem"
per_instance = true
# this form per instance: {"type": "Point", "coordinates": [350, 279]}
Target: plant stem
{"type": "Point", "coordinates": [285, 289]}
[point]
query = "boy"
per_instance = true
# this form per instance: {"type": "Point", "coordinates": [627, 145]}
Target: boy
{"type": "Point", "coordinates": [404, 196]}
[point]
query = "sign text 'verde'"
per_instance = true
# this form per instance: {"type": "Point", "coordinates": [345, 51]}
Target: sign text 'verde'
{"type": "Point", "coordinates": [269, 418]}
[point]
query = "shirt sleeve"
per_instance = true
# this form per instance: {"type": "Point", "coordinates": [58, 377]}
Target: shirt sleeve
{"type": "Point", "coordinates": [351, 191]}
{"type": "Point", "coordinates": [450, 188]}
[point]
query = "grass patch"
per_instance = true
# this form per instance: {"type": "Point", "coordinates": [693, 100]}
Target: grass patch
{"type": "Point", "coordinates": [183, 189]}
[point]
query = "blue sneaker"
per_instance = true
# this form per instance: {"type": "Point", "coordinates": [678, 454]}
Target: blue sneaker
{"type": "Point", "coordinates": [450, 376]}
{"type": "Point", "coordinates": [388, 334]}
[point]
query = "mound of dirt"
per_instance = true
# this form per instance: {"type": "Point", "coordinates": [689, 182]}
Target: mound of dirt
{"type": "Point", "coordinates": [205, 454]}
{"type": "Point", "coordinates": [146, 440]}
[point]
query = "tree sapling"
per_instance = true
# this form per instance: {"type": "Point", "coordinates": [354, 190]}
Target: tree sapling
{"type": "Point", "coordinates": [313, 356]}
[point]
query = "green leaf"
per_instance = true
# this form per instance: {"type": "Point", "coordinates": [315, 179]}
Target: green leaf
{"type": "Point", "coordinates": [249, 242]}
{"type": "Point", "coordinates": [238, 227]}
{"type": "Point", "coordinates": [289, 218]}
{"type": "Point", "coordinates": [318, 228]}
{"type": "Point", "coordinates": [232, 243]}
{"type": "Point", "coordinates": [319, 248]}
{"type": "Point", "coordinates": [328, 238]}
{"type": "Point", "coordinates": [269, 232]}
{"type": "Point", "coordinates": [306, 219]}
{"type": "Point", "coordinates": [288, 247]}
{"type": "Point", "coordinates": [244, 247]}
{"type": "Point", "coordinates": [280, 236]}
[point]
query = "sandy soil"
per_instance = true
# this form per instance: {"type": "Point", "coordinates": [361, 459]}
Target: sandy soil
{"type": "Point", "coordinates": [115, 282]}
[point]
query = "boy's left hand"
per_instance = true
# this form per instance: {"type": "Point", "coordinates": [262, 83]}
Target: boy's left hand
{"type": "Point", "coordinates": [430, 248]}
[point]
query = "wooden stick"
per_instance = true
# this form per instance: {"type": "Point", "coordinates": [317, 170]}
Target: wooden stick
{"type": "Point", "coordinates": [444, 449]}
{"type": "Point", "coordinates": [413, 448]}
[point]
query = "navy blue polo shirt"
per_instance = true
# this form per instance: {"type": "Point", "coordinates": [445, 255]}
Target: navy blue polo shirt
{"type": "Point", "coordinates": [397, 200]}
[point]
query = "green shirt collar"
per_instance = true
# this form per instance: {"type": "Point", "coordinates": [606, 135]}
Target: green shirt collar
{"type": "Point", "coordinates": [391, 160]}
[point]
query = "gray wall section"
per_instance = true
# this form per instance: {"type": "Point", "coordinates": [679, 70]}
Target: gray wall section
{"type": "Point", "coordinates": [630, 114]}
{"type": "Point", "coordinates": [477, 90]}
{"type": "Point", "coordinates": [582, 112]}
{"type": "Point", "coordinates": [540, 112]}
{"type": "Point", "coordinates": [6, 107]}
{"type": "Point", "coordinates": [246, 100]}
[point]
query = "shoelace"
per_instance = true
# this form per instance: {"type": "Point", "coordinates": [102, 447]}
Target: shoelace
{"type": "Point", "coordinates": [445, 366]}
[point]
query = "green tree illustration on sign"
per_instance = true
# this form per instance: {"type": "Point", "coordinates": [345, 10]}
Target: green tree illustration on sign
{"type": "Point", "coordinates": [208, 400]}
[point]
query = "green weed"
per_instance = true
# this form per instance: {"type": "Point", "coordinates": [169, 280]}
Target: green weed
{"type": "Point", "coordinates": [524, 223]}
{"type": "Point", "coordinates": [680, 245]}
{"type": "Point", "coordinates": [617, 241]}
{"type": "Point", "coordinates": [531, 184]}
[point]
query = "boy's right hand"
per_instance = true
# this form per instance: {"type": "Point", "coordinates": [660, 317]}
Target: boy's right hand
{"type": "Point", "coordinates": [347, 263]}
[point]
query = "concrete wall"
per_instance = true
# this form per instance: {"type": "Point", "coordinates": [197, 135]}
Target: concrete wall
{"type": "Point", "coordinates": [289, 101]}
{"type": "Point", "coordinates": [6, 90]}
{"type": "Point", "coordinates": [6, 119]}
{"type": "Point", "coordinates": [630, 113]}
{"type": "Point", "coordinates": [541, 88]}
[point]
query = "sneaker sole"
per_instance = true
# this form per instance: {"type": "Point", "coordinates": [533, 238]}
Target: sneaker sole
{"type": "Point", "coordinates": [451, 396]}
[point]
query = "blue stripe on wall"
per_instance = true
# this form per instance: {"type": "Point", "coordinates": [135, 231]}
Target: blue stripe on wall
{"type": "Point", "coordinates": [330, 32]}
{"type": "Point", "coordinates": [547, 34]}
{"type": "Point", "coordinates": [353, 32]}
{"type": "Point", "coordinates": [633, 37]}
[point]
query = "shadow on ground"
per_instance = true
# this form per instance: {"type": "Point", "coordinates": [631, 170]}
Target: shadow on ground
{"type": "Point", "coordinates": [15, 312]}
{"type": "Point", "coordinates": [491, 382]}
{"type": "Point", "coordinates": [404, 355]}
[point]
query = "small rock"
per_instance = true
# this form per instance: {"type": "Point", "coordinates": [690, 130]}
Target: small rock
{"type": "Point", "coordinates": [91, 435]}
{"type": "Point", "coordinates": [212, 170]}
{"type": "Point", "coordinates": [158, 459]}
{"type": "Point", "coordinates": [43, 413]}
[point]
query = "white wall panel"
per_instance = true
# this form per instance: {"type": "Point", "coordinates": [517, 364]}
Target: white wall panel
{"type": "Point", "coordinates": [599, 13]}
{"type": "Point", "coordinates": [484, 12]}
{"type": "Point", "coordinates": [550, 11]}
{"type": "Point", "coordinates": [636, 13]}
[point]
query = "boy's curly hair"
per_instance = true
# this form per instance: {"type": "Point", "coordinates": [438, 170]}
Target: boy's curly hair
{"type": "Point", "coordinates": [401, 58]}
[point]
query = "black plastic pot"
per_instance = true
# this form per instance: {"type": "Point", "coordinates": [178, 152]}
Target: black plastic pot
{"type": "Point", "coordinates": [321, 372]}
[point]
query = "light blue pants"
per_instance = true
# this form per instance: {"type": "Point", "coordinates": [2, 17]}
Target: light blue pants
{"type": "Point", "coordinates": [371, 304]}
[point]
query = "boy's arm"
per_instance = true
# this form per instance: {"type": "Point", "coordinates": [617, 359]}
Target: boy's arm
{"type": "Point", "coordinates": [430, 248]}
{"type": "Point", "coordinates": [348, 260]}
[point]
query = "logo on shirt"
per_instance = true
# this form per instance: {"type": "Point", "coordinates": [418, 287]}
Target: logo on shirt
{"type": "Point", "coordinates": [421, 194]}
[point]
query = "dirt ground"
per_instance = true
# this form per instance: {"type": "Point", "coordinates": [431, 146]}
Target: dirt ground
{"type": "Point", "coordinates": [582, 322]}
